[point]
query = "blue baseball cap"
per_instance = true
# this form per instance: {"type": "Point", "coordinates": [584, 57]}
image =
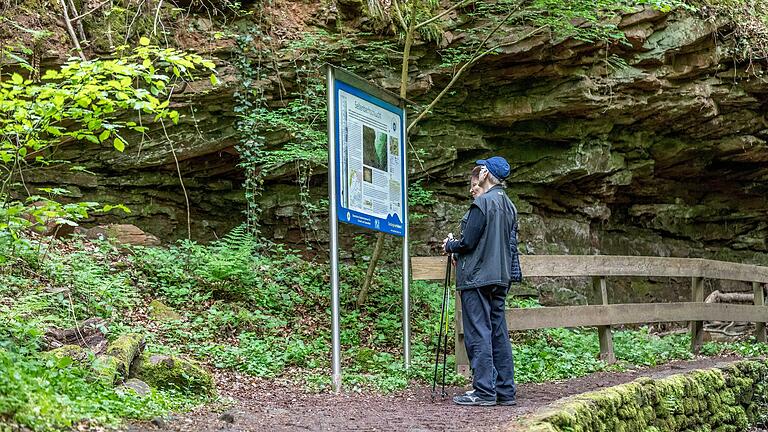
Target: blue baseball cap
{"type": "Point", "coordinates": [496, 165]}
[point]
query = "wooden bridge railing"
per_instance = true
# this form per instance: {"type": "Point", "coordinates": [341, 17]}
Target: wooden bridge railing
{"type": "Point", "coordinates": [604, 315]}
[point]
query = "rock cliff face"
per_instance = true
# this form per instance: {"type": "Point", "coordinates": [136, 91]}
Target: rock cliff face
{"type": "Point", "coordinates": [656, 146]}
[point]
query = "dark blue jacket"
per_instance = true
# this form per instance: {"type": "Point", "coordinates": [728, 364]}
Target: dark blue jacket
{"type": "Point", "coordinates": [487, 260]}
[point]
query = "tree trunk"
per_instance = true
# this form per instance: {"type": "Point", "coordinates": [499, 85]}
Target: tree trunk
{"type": "Point", "coordinates": [361, 298]}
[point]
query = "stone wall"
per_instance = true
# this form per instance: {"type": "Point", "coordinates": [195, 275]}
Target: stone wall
{"type": "Point", "coordinates": [731, 397]}
{"type": "Point", "coordinates": [661, 151]}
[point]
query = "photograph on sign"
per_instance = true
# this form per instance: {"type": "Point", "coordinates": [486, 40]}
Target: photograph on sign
{"type": "Point", "coordinates": [370, 158]}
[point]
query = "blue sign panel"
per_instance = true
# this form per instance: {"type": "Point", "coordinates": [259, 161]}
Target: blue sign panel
{"type": "Point", "coordinates": [370, 155]}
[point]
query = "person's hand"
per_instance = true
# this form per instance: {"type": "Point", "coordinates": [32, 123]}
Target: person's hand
{"type": "Point", "coordinates": [445, 242]}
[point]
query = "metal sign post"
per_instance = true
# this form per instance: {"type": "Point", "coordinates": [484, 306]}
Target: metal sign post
{"type": "Point", "coordinates": [367, 181]}
{"type": "Point", "coordinates": [334, 230]}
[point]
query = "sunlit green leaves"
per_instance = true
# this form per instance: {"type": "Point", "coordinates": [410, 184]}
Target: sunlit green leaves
{"type": "Point", "coordinates": [84, 101]}
{"type": "Point", "coordinates": [81, 98]}
{"type": "Point", "coordinates": [119, 145]}
{"type": "Point", "coordinates": [104, 135]}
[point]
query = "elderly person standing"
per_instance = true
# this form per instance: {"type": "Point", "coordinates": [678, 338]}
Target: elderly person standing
{"type": "Point", "coordinates": [483, 276]}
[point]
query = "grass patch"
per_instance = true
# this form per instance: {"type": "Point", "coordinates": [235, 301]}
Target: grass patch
{"type": "Point", "coordinates": [53, 394]}
{"type": "Point", "coordinates": [264, 313]}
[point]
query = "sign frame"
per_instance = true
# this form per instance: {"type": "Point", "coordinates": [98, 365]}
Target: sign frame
{"type": "Point", "coordinates": [372, 96]}
{"type": "Point", "coordinates": [341, 80]}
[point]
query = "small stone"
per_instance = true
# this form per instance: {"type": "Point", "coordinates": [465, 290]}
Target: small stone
{"type": "Point", "coordinates": [277, 411]}
{"type": "Point", "coordinates": [159, 422]}
{"type": "Point", "coordinates": [140, 387]}
{"type": "Point", "coordinates": [227, 417]}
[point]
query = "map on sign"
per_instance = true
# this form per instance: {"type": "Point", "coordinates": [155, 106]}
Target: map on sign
{"type": "Point", "coordinates": [370, 150]}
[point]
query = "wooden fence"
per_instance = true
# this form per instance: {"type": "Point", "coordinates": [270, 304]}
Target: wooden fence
{"type": "Point", "coordinates": [604, 315]}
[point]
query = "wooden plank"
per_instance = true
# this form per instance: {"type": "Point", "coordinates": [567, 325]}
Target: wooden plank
{"type": "Point", "coordinates": [759, 301]}
{"type": "Point", "coordinates": [428, 268]}
{"type": "Point", "coordinates": [711, 269]}
{"type": "Point", "coordinates": [431, 268]}
{"type": "Point", "coordinates": [605, 337]}
{"type": "Point", "coordinates": [606, 265]}
{"type": "Point", "coordinates": [637, 313]}
{"type": "Point", "coordinates": [462, 359]}
{"type": "Point", "coordinates": [697, 327]}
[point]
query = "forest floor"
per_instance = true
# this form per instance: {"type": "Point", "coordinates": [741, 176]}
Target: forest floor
{"type": "Point", "coordinates": [259, 405]}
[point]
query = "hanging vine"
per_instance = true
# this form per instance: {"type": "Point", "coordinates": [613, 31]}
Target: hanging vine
{"type": "Point", "coordinates": [301, 118]}
{"type": "Point", "coordinates": [248, 98]}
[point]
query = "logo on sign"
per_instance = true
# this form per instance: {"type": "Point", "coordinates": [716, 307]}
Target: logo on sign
{"type": "Point", "coordinates": [376, 223]}
{"type": "Point", "coordinates": [349, 216]}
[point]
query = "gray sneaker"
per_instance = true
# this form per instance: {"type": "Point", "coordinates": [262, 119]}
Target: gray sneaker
{"type": "Point", "coordinates": [471, 399]}
{"type": "Point", "coordinates": [500, 402]}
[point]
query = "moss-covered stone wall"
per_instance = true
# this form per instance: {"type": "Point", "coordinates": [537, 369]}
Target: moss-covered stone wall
{"type": "Point", "coordinates": [732, 397]}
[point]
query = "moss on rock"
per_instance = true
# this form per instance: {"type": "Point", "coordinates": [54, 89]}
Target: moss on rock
{"type": "Point", "coordinates": [75, 352]}
{"type": "Point", "coordinates": [125, 349]}
{"type": "Point", "coordinates": [107, 369]}
{"type": "Point", "coordinates": [162, 371]}
{"type": "Point", "coordinates": [159, 311]}
{"type": "Point", "coordinates": [719, 399]}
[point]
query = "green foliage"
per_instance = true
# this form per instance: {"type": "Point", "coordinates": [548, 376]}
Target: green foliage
{"type": "Point", "coordinates": [748, 348]}
{"type": "Point", "coordinates": [419, 197]}
{"type": "Point", "coordinates": [259, 310]}
{"type": "Point", "coordinates": [553, 354]}
{"type": "Point", "coordinates": [191, 273]}
{"type": "Point", "coordinates": [96, 288]}
{"type": "Point", "coordinates": [750, 26]}
{"type": "Point", "coordinates": [589, 20]}
{"type": "Point", "coordinates": [556, 354]}
{"type": "Point", "coordinates": [52, 394]}
{"type": "Point", "coordinates": [80, 101]}
{"type": "Point", "coordinates": [644, 349]}
{"type": "Point", "coordinates": [301, 117]}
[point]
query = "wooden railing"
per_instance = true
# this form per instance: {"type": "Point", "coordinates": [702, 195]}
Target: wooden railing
{"type": "Point", "coordinates": [604, 315]}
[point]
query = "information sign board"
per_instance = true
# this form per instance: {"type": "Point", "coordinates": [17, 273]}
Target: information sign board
{"type": "Point", "coordinates": [370, 150]}
{"type": "Point", "coordinates": [367, 183]}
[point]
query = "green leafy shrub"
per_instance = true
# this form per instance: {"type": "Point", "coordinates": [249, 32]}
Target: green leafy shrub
{"type": "Point", "coordinates": [47, 395]}
{"type": "Point", "coordinates": [80, 101]}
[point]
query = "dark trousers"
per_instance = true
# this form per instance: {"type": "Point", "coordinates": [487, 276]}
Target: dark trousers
{"type": "Point", "coordinates": [487, 341]}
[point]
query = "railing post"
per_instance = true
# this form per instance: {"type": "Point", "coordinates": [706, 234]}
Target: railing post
{"type": "Point", "coordinates": [462, 360]}
{"type": "Point", "coordinates": [604, 332]}
{"type": "Point", "coordinates": [697, 327]}
{"type": "Point", "coordinates": [757, 287]}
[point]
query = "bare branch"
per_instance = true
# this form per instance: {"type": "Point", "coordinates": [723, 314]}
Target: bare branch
{"type": "Point", "coordinates": [157, 17]}
{"type": "Point", "coordinates": [80, 28]}
{"type": "Point", "coordinates": [99, 6]}
{"type": "Point", "coordinates": [475, 57]}
{"type": "Point", "coordinates": [71, 31]}
{"type": "Point", "coordinates": [444, 13]}
{"type": "Point", "coordinates": [399, 15]}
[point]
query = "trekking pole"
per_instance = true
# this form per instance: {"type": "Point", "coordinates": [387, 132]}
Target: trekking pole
{"type": "Point", "coordinates": [446, 297]}
{"type": "Point", "coordinates": [440, 330]}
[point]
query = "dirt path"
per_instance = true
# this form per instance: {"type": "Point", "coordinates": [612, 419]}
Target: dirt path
{"type": "Point", "coordinates": [273, 406]}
